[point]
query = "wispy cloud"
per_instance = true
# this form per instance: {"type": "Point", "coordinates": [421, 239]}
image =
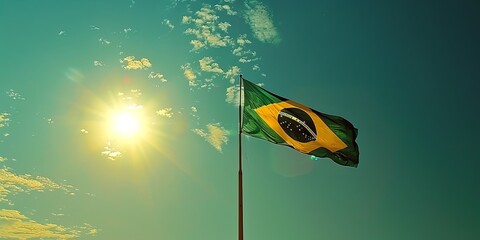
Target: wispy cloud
{"type": "Point", "coordinates": [167, 23]}
{"type": "Point", "coordinates": [93, 27]}
{"type": "Point", "coordinates": [224, 26]}
{"type": "Point", "coordinates": [110, 152]}
{"type": "Point", "coordinates": [247, 60]}
{"type": "Point", "coordinates": [186, 19]}
{"type": "Point", "coordinates": [197, 44]}
{"type": "Point", "coordinates": [104, 41]}
{"type": "Point", "coordinates": [227, 8]}
{"type": "Point", "coordinates": [165, 112]}
{"type": "Point", "coordinates": [4, 119]}
{"type": "Point", "coordinates": [15, 225]}
{"type": "Point", "coordinates": [14, 95]}
{"type": "Point", "coordinates": [260, 20]}
{"type": "Point", "coordinates": [232, 73]}
{"type": "Point", "coordinates": [205, 25]}
{"type": "Point", "coordinates": [97, 63]}
{"type": "Point", "coordinates": [11, 183]}
{"type": "Point", "coordinates": [210, 26]}
{"type": "Point", "coordinates": [130, 96]}
{"type": "Point", "coordinates": [243, 40]}
{"type": "Point", "coordinates": [207, 64]}
{"type": "Point", "coordinates": [157, 75]}
{"type": "Point", "coordinates": [132, 64]}
{"type": "Point", "coordinates": [233, 95]}
{"type": "Point", "coordinates": [215, 134]}
{"type": "Point", "coordinates": [189, 74]}
{"type": "Point", "coordinates": [246, 55]}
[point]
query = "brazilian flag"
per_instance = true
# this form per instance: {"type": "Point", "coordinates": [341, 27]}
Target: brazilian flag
{"type": "Point", "coordinates": [278, 120]}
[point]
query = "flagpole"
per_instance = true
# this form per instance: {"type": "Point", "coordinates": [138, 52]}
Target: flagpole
{"type": "Point", "coordinates": [240, 186]}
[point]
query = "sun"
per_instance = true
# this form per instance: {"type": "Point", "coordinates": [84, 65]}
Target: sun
{"type": "Point", "coordinates": [126, 124]}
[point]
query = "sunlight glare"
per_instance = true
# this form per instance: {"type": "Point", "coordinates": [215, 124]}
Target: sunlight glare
{"type": "Point", "coordinates": [126, 124]}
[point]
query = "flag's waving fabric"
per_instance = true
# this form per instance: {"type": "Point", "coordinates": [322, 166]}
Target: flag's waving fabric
{"type": "Point", "coordinates": [282, 121]}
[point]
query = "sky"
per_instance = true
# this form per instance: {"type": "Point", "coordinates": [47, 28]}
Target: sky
{"type": "Point", "coordinates": [119, 119]}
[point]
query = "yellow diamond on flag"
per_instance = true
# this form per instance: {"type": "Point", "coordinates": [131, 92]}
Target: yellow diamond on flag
{"type": "Point", "coordinates": [299, 126]}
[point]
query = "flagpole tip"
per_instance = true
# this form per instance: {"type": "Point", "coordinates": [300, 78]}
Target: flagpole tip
{"type": "Point", "coordinates": [241, 75]}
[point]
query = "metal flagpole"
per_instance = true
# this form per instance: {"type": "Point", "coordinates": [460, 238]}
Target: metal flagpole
{"type": "Point", "coordinates": [240, 187]}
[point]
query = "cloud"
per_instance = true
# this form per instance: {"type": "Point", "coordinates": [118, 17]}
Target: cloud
{"type": "Point", "coordinates": [97, 63]}
{"type": "Point", "coordinates": [226, 8]}
{"type": "Point", "coordinates": [246, 56]}
{"type": "Point", "coordinates": [167, 23]}
{"type": "Point", "coordinates": [93, 27]}
{"type": "Point", "coordinates": [215, 134]}
{"type": "Point", "coordinates": [130, 99]}
{"type": "Point", "coordinates": [14, 95]}
{"type": "Point", "coordinates": [247, 60]}
{"type": "Point", "coordinates": [112, 155]}
{"type": "Point", "coordinates": [242, 40]}
{"type": "Point", "coordinates": [189, 74]}
{"type": "Point", "coordinates": [104, 41]}
{"type": "Point", "coordinates": [110, 152]}
{"type": "Point", "coordinates": [186, 19]}
{"type": "Point", "coordinates": [207, 64]}
{"type": "Point", "coordinates": [233, 95]}
{"type": "Point", "coordinates": [132, 64]}
{"type": "Point", "coordinates": [205, 29]}
{"type": "Point", "coordinates": [260, 21]}
{"type": "Point", "coordinates": [232, 73]}
{"type": "Point", "coordinates": [4, 120]}
{"type": "Point", "coordinates": [92, 232]}
{"type": "Point", "coordinates": [197, 44]}
{"type": "Point", "coordinates": [200, 132]}
{"type": "Point", "coordinates": [207, 36]}
{"type": "Point", "coordinates": [238, 51]}
{"type": "Point", "coordinates": [15, 225]}
{"type": "Point", "coordinates": [11, 183]}
{"type": "Point", "coordinates": [165, 112]}
{"type": "Point", "coordinates": [157, 75]}
{"type": "Point", "coordinates": [3, 159]}
{"type": "Point", "coordinates": [130, 95]}
{"type": "Point", "coordinates": [215, 39]}
{"type": "Point", "coordinates": [206, 14]}
{"type": "Point", "coordinates": [224, 26]}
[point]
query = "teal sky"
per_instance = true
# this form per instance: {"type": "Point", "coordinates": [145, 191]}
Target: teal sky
{"type": "Point", "coordinates": [405, 73]}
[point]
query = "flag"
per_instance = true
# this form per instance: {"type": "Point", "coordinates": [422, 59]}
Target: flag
{"type": "Point", "coordinates": [282, 121]}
